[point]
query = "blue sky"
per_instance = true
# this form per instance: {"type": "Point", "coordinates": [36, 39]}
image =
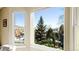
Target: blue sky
{"type": "Point", "coordinates": [52, 17]}
{"type": "Point", "coordinates": [19, 19]}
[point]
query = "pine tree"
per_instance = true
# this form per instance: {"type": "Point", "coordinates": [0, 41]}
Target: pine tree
{"type": "Point", "coordinates": [50, 37]}
{"type": "Point", "coordinates": [61, 35]}
{"type": "Point", "coordinates": [40, 32]}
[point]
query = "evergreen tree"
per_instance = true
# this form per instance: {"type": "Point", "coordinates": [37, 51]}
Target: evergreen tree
{"type": "Point", "coordinates": [61, 35]}
{"type": "Point", "coordinates": [50, 36]}
{"type": "Point", "coordinates": [40, 32]}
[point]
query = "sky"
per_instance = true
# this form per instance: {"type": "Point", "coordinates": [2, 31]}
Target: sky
{"type": "Point", "coordinates": [52, 17]}
{"type": "Point", "coordinates": [19, 19]}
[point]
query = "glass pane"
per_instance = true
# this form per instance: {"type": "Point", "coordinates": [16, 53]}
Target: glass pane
{"type": "Point", "coordinates": [49, 27]}
{"type": "Point", "coordinates": [19, 28]}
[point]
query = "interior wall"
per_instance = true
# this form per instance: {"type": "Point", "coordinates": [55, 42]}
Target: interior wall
{"type": "Point", "coordinates": [4, 30]}
{"type": "Point", "coordinates": [0, 28]}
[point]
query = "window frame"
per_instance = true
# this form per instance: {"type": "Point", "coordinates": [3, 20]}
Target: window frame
{"type": "Point", "coordinates": [32, 15]}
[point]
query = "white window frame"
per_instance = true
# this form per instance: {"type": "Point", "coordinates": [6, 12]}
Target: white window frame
{"type": "Point", "coordinates": [67, 33]}
{"type": "Point", "coordinates": [13, 23]}
{"type": "Point", "coordinates": [75, 28]}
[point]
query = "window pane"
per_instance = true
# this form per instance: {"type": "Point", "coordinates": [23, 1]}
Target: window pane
{"type": "Point", "coordinates": [49, 27]}
{"type": "Point", "coordinates": [19, 28]}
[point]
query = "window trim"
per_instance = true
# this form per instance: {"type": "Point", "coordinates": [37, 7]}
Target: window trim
{"type": "Point", "coordinates": [32, 44]}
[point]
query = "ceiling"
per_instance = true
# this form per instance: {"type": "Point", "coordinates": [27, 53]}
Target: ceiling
{"type": "Point", "coordinates": [29, 8]}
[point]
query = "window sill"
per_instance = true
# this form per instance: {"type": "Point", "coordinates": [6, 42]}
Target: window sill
{"type": "Point", "coordinates": [45, 48]}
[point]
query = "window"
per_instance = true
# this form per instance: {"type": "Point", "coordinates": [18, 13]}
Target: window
{"type": "Point", "coordinates": [19, 28]}
{"type": "Point", "coordinates": [49, 27]}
